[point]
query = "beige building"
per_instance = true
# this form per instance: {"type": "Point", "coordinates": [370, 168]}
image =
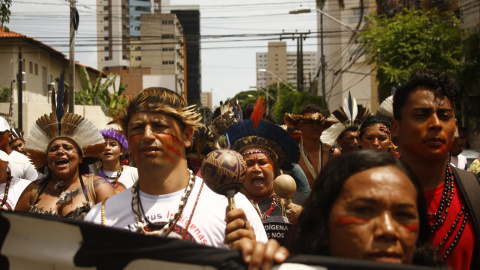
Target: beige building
{"type": "Point", "coordinates": [42, 65]}
{"type": "Point", "coordinates": [207, 99]}
{"type": "Point", "coordinates": [346, 69]}
{"type": "Point", "coordinates": [284, 65]}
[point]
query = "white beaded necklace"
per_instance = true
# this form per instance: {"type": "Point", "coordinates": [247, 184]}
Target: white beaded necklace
{"type": "Point", "coordinates": [136, 206]}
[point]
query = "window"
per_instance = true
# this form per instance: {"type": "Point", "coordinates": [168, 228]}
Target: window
{"type": "Point", "coordinates": [105, 38]}
{"type": "Point", "coordinates": [167, 36]}
{"type": "Point", "coordinates": [168, 49]}
{"type": "Point", "coordinates": [107, 58]}
{"type": "Point", "coordinates": [105, 48]}
{"type": "Point", "coordinates": [167, 22]}
{"type": "Point", "coordinates": [105, 18]}
{"type": "Point", "coordinates": [166, 63]}
{"type": "Point", "coordinates": [137, 28]}
{"type": "Point", "coordinates": [124, 57]}
{"type": "Point", "coordinates": [138, 48]}
{"type": "Point", "coordinates": [36, 69]}
{"type": "Point", "coordinates": [31, 67]}
{"type": "Point", "coordinates": [138, 58]}
{"type": "Point", "coordinates": [105, 28]}
{"type": "Point", "coordinates": [105, 8]}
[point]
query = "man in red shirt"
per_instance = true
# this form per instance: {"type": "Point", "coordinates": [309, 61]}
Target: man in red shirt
{"type": "Point", "coordinates": [424, 123]}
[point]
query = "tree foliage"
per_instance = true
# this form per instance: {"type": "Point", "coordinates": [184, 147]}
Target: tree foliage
{"type": "Point", "coordinates": [5, 94]}
{"type": "Point", "coordinates": [411, 40]}
{"type": "Point", "coordinates": [99, 93]}
{"type": "Point", "coordinates": [5, 12]}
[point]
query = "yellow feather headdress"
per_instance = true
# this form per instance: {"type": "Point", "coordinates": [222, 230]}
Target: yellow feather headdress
{"type": "Point", "coordinates": [62, 124]}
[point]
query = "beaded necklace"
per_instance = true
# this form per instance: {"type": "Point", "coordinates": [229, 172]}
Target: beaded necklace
{"type": "Point", "coordinates": [140, 213]}
{"type": "Point", "coordinates": [441, 216]}
{"type": "Point", "coordinates": [274, 204]}
{"type": "Point", "coordinates": [7, 188]}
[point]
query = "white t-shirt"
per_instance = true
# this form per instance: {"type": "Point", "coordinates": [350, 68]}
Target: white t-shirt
{"type": "Point", "coordinates": [459, 161]}
{"type": "Point", "coordinates": [23, 171]}
{"type": "Point", "coordinates": [128, 177]}
{"type": "Point", "coordinates": [16, 188]}
{"type": "Point", "coordinates": [207, 226]}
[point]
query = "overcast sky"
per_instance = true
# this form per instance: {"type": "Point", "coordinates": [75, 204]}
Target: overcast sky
{"type": "Point", "coordinates": [228, 64]}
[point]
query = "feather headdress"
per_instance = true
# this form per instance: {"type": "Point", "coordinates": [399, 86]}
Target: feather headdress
{"type": "Point", "coordinates": [230, 113]}
{"type": "Point", "coordinates": [62, 124]}
{"type": "Point", "coordinates": [292, 120]}
{"type": "Point", "coordinates": [350, 114]}
{"type": "Point", "coordinates": [256, 132]}
{"type": "Point", "coordinates": [386, 108]}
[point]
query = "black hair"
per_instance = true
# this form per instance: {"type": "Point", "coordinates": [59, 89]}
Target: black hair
{"type": "Point", "coordinates": [462, 133]}
{"type": "Point", "coordinates": [310, 236]}
{"type": "Point", "coordinates": [436, 81]}
{"type": "Point", "coordinates": [248, 111]}
{"type": "Point", "coordinates": [372, 120]}
{"type": "Point", "coordinates": [310, 108]}
{"type": "Point", "coordinates": [350, 128]}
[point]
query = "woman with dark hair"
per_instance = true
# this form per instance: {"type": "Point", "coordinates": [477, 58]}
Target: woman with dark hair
{"type": "Point", "coordinates": [59, 142]}
{"type": "Point", "coordinates": [375, 134]}
{"type": "Point", "coordinates": [365, 205]}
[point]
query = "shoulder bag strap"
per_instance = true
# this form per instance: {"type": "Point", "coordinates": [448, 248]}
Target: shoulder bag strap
{"type": "Point", "coordinates": [470, 187]}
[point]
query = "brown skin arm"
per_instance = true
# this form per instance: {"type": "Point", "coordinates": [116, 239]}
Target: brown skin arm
{"type": "Point", "coordinates": [235, 231]}
{"type": "Point", "coordinates": [23, 204]}
{"type": "Point", "coordinates": [103, 189]}
{"type": "Point", "coordinates": [262, 256]}
{"type": "Point", "coordinates": [295, 211]}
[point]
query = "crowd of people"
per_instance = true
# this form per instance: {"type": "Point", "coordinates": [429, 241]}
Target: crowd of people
{"type": "Point", "coordinates": [390, 189]}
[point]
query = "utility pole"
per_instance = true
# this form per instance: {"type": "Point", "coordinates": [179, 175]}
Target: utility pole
{"type": "Point", "coordinates": [300, 38]}
{"type": "Point", "coordinates": [322, 60]}
{"type": "Point", "coordinates": [73, 26]}
{"type": "Point", "coordinates": [20, 79]}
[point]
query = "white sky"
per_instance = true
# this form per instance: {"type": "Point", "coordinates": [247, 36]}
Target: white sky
{"type": "Point", "coordinates": [228, 64]}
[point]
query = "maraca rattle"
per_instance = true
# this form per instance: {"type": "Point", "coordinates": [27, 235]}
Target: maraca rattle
{"type": "Point", "coordinates": [224, 172]}
{"type": "Point", "coordinates": [285, 187]}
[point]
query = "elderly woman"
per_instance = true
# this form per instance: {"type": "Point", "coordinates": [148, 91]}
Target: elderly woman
{"type": "Point", "coordinates": [366, 205]}
{"type": "Point", "coordinates": [375, 134]}
{"type": "Point", "coordinates": [120, 176]}
{"type": "Point", "coordinates": [267, 149]}
{"type": "Point", "coordinates": [59, 142]}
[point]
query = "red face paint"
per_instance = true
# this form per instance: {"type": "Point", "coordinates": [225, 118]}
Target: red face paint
{"type": "Point", "coordinates": [347, 220]}
{"type": "Point", "coordinates": [411, 227]}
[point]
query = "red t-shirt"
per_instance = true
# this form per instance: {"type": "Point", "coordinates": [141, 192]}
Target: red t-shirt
{"type": "Point", "coordinates": [461, 255]}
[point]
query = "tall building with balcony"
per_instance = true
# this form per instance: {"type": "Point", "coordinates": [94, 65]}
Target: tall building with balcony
{"type": "Point", "coordinates": [123, 37]}
{"type": "Point", "coordinates": [284, 65]}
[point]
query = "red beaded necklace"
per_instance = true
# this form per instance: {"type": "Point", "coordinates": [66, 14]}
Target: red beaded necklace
{"type": "Point", "coordinates": [441, 216]}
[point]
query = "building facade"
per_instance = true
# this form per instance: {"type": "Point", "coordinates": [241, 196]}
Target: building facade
{"type": "Point", "coordinates": [284, 65]}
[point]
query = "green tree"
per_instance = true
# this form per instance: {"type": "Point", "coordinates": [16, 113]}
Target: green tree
{"type": "Point", "coordinates": [5, 94]}
{"type": "Point", "coordinates": [293, 102]}
{"type": "Point", "coordinates": [99, 94]}
{"type": "Point", "coordinates": [5, 12]}
{"type": "Point", "coordinates": [411, 40]}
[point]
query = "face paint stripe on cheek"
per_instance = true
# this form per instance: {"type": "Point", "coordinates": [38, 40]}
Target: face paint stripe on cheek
{"type": "Point", "coordinates": [412, 227]}
{"type": "Point", "coordinates": [347, 220]}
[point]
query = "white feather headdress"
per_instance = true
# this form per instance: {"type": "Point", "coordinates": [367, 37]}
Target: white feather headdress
{"type": "Point", "coordinates": [62, 124]}
{"type": "Point", "coordinates": [350, 114]}
{"type": "Point", "coordinates": [386, 108]}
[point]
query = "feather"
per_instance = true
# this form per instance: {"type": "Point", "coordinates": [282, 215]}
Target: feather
{"type": "Point", "coordinates": [386, 108]}
{"type": "Point", "coordinates": [61, 89]}
{"type": "Point", "coordinates": [330, 135]}
{"type": "Point", "coordinates": [258, 111]}
{"type": "Point", "coordinates": [67, 196]}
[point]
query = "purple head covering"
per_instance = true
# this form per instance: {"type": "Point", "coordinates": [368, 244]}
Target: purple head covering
{"type": "Point", "coordinates": [111, 133]}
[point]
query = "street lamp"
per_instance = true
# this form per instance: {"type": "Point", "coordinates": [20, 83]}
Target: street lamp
{"type": "Point", "coordinates": [262, 70]}
{"type": "Point", "coordinates": [302, 9]}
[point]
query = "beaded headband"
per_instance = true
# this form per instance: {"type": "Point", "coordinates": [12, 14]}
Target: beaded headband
{"type": "Point", "coordinates": [381, 127]}
{"type": "Point", "coordinates": [62, 124]}
{"type": "Point", "coordinates": [111, 133]}
{"type": "Point", "coordinates": [256, 132]}
{"type": "Point", "coordinates": [257, 152]}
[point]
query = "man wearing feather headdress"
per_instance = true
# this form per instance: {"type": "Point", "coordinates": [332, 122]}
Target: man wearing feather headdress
{"type": "Point", "coordinates": [168, 199]}
{"type": "Point", "coordinates": [345, 133]}
{"type": "Point", "coordinates": [314, 154]}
